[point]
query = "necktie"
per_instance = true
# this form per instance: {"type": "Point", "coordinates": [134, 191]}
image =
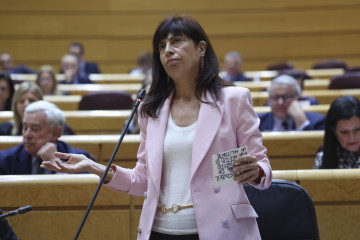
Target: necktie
{"type": "Point", "coordinates": [39, 169]}
{"type": "Point", "coordinates": [285, 125]}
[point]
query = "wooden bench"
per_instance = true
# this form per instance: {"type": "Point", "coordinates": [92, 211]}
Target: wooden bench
{"type": "Point", "coordinates": [112, 78]}
{"type": "Point", "coordinates": [313, 73]}
{"type": "Point", "coordinates": [71, 102]}
{"type": "Point", "coordinates": [82, 89]}
{"type": "Point", "coordinates": [89, 122]}
{"type": "Point", "coordinates": [316, 84]}
{"type": "Point", "coordinates": [64, 198]}
{"type": "Point", "coordinates": [112, 121]}
{"type": "Point", "coordinates": [323, 96]}
{"type": "Point", "coordinates": [286, 150]}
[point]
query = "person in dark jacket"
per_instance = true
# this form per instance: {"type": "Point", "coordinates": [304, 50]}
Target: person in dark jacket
{"type": "Point", "coordinates": [43, 124]}
{"type": "Point", "coordinates": [286, 111]}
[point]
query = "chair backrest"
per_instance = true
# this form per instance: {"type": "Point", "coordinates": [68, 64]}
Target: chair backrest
{"type": "Point", "coordinates": [346, 81]}
{"type": "Point", "coordinates": [328, 64]}
{"type": "Point", "coordinates": [118, 100]}
{"type": "Point", "coordinates": [280, 66]}
{"type": "Point", "coordinates": [285, 211]}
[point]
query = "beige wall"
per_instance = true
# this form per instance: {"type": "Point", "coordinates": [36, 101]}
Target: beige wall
{"type": "Point", "coordinates": [114, 32]}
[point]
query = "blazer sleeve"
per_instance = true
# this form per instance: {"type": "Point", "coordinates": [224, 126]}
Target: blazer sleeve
{"type": "Point", "coordinates": [248, 134]}
{"type": "Point", "coordinates": [133, 181]}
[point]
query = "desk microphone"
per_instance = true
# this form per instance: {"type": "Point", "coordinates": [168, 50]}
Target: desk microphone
{"type": "Point", "coordinates": [20, 210]}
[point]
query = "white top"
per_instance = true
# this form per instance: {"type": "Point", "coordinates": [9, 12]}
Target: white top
{"type": "Point", "coordinates": [175, 183]}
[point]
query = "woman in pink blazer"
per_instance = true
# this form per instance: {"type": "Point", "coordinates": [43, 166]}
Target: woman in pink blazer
{"type": "Point", "coordinates": [189, 115]}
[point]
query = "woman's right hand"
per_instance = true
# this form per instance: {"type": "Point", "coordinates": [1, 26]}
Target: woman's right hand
{"type": "Point", "coordinates": [75, 163]}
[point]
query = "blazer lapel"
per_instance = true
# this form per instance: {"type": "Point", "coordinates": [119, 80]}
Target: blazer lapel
{"type": "Point", "coordinates": [210, 119]}
{"type": "Point", "coordinates": [156, 132]}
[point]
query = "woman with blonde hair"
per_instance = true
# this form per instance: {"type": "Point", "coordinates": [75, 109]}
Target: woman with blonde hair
{"type": "Point", "coordinates": [46, 80]}
{"type": "Point", "coordinates": [26, 93]}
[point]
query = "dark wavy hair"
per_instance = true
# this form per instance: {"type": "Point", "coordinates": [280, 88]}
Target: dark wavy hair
{"type": "Point", "coordinates": [11, 89]}
{"type": "Point", "coordinates": [342, 108]}
{"type": "Point", "coordinates": [208, 80]}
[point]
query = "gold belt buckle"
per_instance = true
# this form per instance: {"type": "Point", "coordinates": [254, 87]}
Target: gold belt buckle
{"type": "Point", "coordinates": [174, 208]}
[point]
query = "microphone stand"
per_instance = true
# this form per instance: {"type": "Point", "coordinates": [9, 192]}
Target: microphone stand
{"type": "Point", "coordinates": [137, 103]}
{"type": "Point", "coordinates": [20, 210]}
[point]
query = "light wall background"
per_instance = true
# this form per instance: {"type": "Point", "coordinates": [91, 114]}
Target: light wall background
{"type": "Point", "coordinates": [114, 32]}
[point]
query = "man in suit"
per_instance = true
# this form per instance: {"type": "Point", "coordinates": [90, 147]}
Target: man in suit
{"type": "Point", "coordinates": [286, 111]}
{"type": "Point", "coordinates": [43, 123]}
{"type": "Point", "coordinates": [70, 66]}
{"type": "Point", "coordinates": [85, 68]}
{"type": "Point", "coordinates": [233, 68]}
{"type": "Point", "coordinates": [7, 67]}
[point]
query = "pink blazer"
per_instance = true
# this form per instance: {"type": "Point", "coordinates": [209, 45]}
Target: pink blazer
{"type": "Point", "coordinates": [221, 213]}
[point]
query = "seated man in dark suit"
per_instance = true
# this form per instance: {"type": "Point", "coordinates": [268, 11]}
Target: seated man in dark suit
{"type": "Point", "coordinates": [233, 68]}
{"type": "Point", "coordinates": [70, 66]}
{"type": "Point", "coordinates": [43, 123]}
{"type": "Point", "coordinates": [286, 112]}
{"type": "Point", "coordinates": [85, 68]}
{"type": "Point", "coordinates": [7, 67]}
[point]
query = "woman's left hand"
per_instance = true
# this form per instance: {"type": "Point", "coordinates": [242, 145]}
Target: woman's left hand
{"type": "Point", "coordinates": [246, 170]}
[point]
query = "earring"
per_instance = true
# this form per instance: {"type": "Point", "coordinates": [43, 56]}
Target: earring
{"type": "Point", "coordinates": [202, 63]}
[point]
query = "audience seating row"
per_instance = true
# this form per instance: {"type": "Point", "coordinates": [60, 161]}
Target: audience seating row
{"type": "Point", "coordinates": [89, 122]}
{"type": "Point", "coordinates": [323, 96]}
{"type": "Point", "coordinates": [71, 102]}
{"type": "Point", "coordinates": [286, 150]}
{"type": "Point", "coordinates": [127, 78]}
{"type": "Point", "coordinates": [313, 73]}
{"type": "Point", "coordinates": [96, 78]}
{"type": "Point", "coordinates": [313, 84]}
{"type": "Point", "coordinates": [59, 203]}
{"type": "Point", "coordinates": [112, 121]}
{"type": "Point", "coordinates": [82, 89]}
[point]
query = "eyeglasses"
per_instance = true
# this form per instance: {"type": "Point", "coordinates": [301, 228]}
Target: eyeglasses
{"type": "Point", "coordinates": [285, 98]}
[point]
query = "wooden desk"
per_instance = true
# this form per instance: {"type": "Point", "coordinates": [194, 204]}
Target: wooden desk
{"type": "Point", "coordinates": [82, 89]}
{"type": "Point", "coordinates": [286, 150]}
{"type": "Point", "coordinates": [112, 78]}
{"type": "Point", "coordinates": [322, 108]}
{"type": "Point", "coordinates": [89, 122]}
{"type": "Point", "coordinates": [65, 102]}
{"type": "Point", "coordinates": [59, 203]}
{"type": "Point", "coordinates": [112, 121]}
{"type": "Point", "coordinates": [71, 102]}
{"type": "Point", "coordinates": [323, 96]}
{"type": "Point", "coordinates": [313, 73]}
{"type": "Point", "coordinates": [64, 198]}
{"type": "Point", "coordinates": [316, 84]}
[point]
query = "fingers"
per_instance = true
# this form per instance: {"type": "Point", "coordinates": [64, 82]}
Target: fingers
{"type": "Point", "coordinates": [62, 155]}
{"type": "Point", "coordinates": [247, 177]}
{"type": "Point", "coordinates": [66, 168]}
{"type": "Point", "coordinates": [246, 169]}
{"type": "Point", "coordinates": [50, 165]}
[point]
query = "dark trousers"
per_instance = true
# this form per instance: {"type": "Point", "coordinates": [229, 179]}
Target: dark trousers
{"type": "Point", "coordinates": [162, 236]}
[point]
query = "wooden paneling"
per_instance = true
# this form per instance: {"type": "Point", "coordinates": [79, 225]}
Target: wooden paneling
{"type": "Point", "coordinates": [166, 6]}
{"type": "Point", "coordinates": [59, 203]}
{"type": "Point", "coordinates": [115, 32]}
